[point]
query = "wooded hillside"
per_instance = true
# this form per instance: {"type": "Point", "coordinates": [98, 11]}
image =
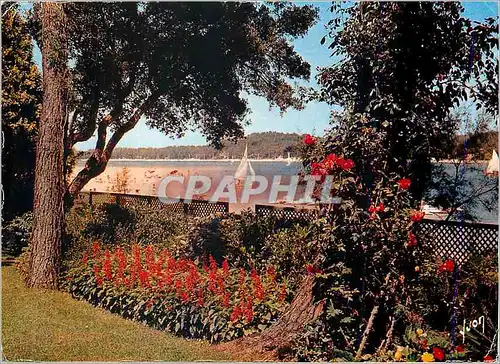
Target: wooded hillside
{"type": "Point", "coordinates": [260, 146]}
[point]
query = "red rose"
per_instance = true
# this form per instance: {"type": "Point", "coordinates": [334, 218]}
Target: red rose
{"type": "Point", "coordinates": [330, 161]}
{"type": "Point", "coordinates": [460, 349]}
{"type": "Point", "coordinates": [417, 216]}
{"type": "Point", "coordinates": [412, 240]}
{"type": "Point", "coordinates": [438, 354]}
{"type": "Point", "coordinates": [347, 164]}
{"type": "Point", "coordinates": [447, 266]}
{"type": "Point", "coordinates": [404, 183]}
{"type": "Point", "coordinates": [318, 169]}
{"type": "Point", "coordinates": [489, 358]}
{"type": "Point", "coordinates": [309, 139]}
{"type": "Point", "coordinates": [372, 209]}
{"type": "Point", "coordinates": [380, 207]}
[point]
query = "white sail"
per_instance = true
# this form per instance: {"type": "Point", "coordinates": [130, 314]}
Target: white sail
{"type": "Point", "coordinates": [245, 168]}
{"type": "Point", "coordinates": [493, 164]}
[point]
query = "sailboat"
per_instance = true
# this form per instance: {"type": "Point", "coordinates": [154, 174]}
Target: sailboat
{"type": "Point", "coordinates": [492, 169]}
{"type": "Point", "coordinates": [244, 170]}
{"type": "Point", "coordinates": [288, 160]}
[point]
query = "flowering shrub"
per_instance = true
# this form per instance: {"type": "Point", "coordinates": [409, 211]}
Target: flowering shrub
{"type": "Point", "coordinates": [378, 277]}
{"type": "Point", "coordinates": [211, 302]}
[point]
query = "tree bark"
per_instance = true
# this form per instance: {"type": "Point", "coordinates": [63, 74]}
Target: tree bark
{"type": "Point", "coordinates": [275, 342]}
{"type": "Point", "coordinates": [45, 244]}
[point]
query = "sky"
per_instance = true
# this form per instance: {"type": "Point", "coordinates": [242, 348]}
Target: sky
{"type": "Point", "coordinates": [314, 119]}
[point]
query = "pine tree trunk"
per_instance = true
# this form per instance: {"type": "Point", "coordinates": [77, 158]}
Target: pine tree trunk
{"type": "Point", "coordinates": [275, 342]}
{"type": "Point", "coordinates": [45, 245]}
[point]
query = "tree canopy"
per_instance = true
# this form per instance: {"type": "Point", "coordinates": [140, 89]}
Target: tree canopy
{"type": "Point", "coordinates": [409, 65]}
{"type": "Point", "coordinates": [182, 66]}
{"type": "Point", "coordinates": [21, 102]}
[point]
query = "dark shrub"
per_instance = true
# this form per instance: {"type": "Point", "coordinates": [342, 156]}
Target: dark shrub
{"type": "Point", "coordinates": [16, 234]}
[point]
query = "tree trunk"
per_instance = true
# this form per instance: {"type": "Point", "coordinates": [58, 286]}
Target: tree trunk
{"type": "Point", "coordinates": [275, 342]}
{"type": "Point", "coordinates": [48, 212]}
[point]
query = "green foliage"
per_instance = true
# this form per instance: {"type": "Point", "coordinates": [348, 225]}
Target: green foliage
{"type": "Point", "coordinates": [409, 64]}
{"type": "Point", "coordinates": [21, 104]}
{"type": "Point", "coordinates": [372, 264]}
{"type": "Point", "coordinates": [181, 66]}
{"type": "Point", "coordinates": [251, 241]}
{"type": "Point", "coordinates": [16, 234]}
{"type": "Point", "coordinates": [112, 225]}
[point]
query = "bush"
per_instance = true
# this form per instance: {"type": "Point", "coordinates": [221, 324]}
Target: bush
{"type": "Point", "coordinates": [251, 241]}
{"type": "Point", "coordinates": [382, 284]}
{"type": "Point", "coordinates": [149, 286]}
{"type": "Point", "coordinates": [16, 234]}
{"type": "Point", "coordinates": [113, 225]}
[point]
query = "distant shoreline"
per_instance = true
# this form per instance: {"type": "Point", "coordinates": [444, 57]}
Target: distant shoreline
{"type": "Point", "coordinates": [195, 160]}
{"type": "Point", "coordinates": [447, 161]}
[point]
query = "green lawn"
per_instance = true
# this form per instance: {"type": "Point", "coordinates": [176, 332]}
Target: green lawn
{"type": "Point", "coordinates": [50, 325]}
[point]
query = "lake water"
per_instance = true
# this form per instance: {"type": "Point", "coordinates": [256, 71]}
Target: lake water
{"type": "Point", "coordinates": [216, 169]}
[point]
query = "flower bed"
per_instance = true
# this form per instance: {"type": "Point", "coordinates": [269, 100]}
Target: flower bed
{"type": "Point", "coordinates": [209, 302]}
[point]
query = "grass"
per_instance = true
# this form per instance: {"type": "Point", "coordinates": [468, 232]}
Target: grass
{"type": "Point", "coordinates": [50, 325]}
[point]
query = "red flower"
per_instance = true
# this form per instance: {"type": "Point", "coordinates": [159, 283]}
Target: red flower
{"type": "Point", "coordinates": [380, 207]}
{"type": "Point", "coordinates": [249, 312]}
{"type": "Point", "coordinates": [424, 344]}
{"type": "Point", "coordinates": [225, 266]}
{"type": "Point", "coordinates": [96, 248]}
{"type": "Point", "coordinates": [488, 359]}
{"type": "Point", "coordinates": [107, 266]}
{"type": "Point", "coordinates": [372, 209]}
{"type": "Point", "coordinates": [97, 275]}
{"type": "Point", "coordinates": [460, 348]}
{"type": "Point", "coordinates": [417, 216]}
{"type": "Point", "coordinates": [447, 266]}
{"type": "Point", "coordinates": [144, 278]}
{"type": "Point", "coordinates": [318, 169]}
{"type": "Point", "coordinates": [242, 277]}
{"type": "Point", "coordinates": [404, 183]}
{"type": "Point", "coordinates": [330, 161]}
{"type": "Point", "coordinates": [213, 263]}
{"type": "Point", "coordinates": [253, 274]}
{"type": "Point", "coordinates": [235, 314]}
{"type": "Point", "coordinates": [309, 140]}
{"type": "Point", "coordinates": [200, 300]}
{"type": "Point", "coordinates": [312, 269]}
{"type": "Point", "coordinates": [438, 354]}
{"type": "Point", "coordinates": [271, 273]}
{"type": "Point", "coordinates": [283, 294]}
{"type": "Point", "coordinates": [225, 300]}
{"type": "Point", "coordinates": [84, 258]}
{"type": "Point", "coordinates": [412, 240]}
{"type": "Point", "coordinates": [346, 164]}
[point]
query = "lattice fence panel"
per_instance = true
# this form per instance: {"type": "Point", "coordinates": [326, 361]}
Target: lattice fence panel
{"type": "Point", "coordinates": [195, 207]}
{"type": "Point", "coordinates": [459, 241]}
{"type": "Point", "coordinates": [451, 240]}
{"type": "Point", "coordinates": [286, 213]}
